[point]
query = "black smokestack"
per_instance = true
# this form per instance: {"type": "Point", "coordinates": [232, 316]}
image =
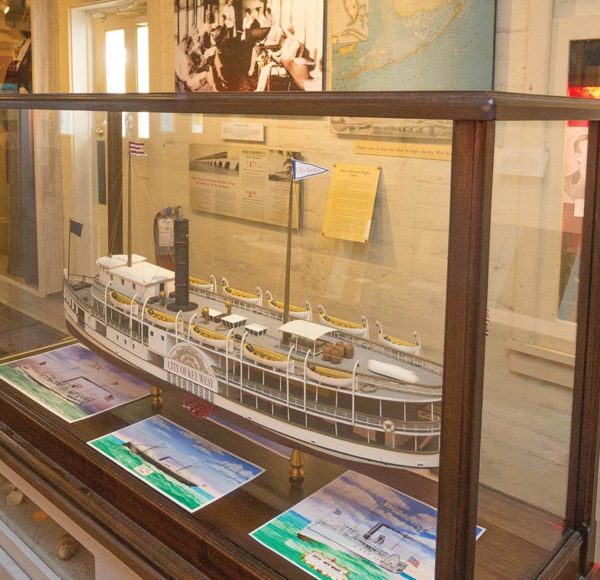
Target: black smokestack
{"type": "Point", "coordinates": [182, 268]}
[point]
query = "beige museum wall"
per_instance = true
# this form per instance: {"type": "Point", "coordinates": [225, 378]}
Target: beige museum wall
{"type": "Point", "coordinates": [399, 276]}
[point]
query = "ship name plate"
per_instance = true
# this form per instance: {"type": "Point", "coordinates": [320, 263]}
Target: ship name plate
{"type": "Point", "coordinates": [188, 362]}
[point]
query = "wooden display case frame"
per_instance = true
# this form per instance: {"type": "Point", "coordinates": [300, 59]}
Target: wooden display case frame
{"type": "Point", "coordinates": [47, 455]}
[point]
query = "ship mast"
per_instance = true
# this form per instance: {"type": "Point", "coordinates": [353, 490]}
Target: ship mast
{"type": "Point", "coordinates": [129, 210]}
{"type": "Point", "coordinates": [135, 149]}
{"type": "Point", "coordinates": [288, 255]}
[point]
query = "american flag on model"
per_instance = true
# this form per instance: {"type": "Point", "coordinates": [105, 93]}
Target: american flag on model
{"type": "Point", "coordinates": [136, 148]}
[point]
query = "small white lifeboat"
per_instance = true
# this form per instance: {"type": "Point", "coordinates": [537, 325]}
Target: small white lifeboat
{"type": "Point", "coordinates": [392, 371]}
{"type": "Point", "coordinates": [241, 295]}
{"type": "Point", "coordinates": [268, 357]}
{"type": "Point", "coordinates": [398, 344]}
{"type": "Point", "coordinates": [124, 303]}
{"type": "Point", "coordinates": [329, 376]}
{"type": "Point", "coordinates": [297, 312]}
{"type": "Point", "coordinates": [360, 329]}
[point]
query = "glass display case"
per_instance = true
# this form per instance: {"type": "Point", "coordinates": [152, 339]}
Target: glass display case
{"type": "Point", "coordinates": [330, 335]}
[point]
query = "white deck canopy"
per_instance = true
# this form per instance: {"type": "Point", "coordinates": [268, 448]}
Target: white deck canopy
{"type": "Point", "coordinates": [142, 279]}
{"type": "Point", "coordinates": [118, 260]}
{"type": "Point", "coordinates": [140, 271]}
{"type": "Point", "coordinates": [305, 329]}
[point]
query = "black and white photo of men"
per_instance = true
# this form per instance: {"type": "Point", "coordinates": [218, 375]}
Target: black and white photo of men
{"type": "Point", "coordinates": [248, 45]}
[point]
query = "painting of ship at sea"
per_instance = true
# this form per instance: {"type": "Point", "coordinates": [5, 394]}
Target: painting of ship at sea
{"type": "Point", "coordinates": [182, 268]}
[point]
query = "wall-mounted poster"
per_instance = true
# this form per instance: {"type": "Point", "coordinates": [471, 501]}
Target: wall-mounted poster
{"type": "Point", "coordinates": [411, 45]}
{"type": "Point", "coordinates": [417, 138]}
{"type": "Point", "coordinates": [249, 45]}
{"type": "Point", "coordinates": [356, 527]}
{"type": "Point", "coordinates": [350, 202]}
{"type": "Point", "coordinates": [249, 183]}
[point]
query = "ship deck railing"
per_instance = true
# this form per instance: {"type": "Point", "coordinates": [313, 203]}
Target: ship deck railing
{"type": "Point", "coordinates": [336, 335]}
{"type": "Point", "coordinates": [81, 279]}
{"type": "Point", "coordinates": [421, 389]}
{"type": "Point", "coordinates": [85, 281]}
{"type": "Point", "coordinates": [328, 411]}
{"type": "Point", "coordinates": [427, 390]}
{"type": "Point", "coordinates": [254, 308]}
{"type": "Point", "coordinates": [409, 359]}
{"type": "Point", "coordinates": [374, 347]}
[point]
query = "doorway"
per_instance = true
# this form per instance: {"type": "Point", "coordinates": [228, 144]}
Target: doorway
{"type": "Point", "coordinates": [110, 54]}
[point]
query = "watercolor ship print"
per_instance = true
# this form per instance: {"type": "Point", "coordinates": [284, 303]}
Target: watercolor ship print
{"type": "Point", "coordinates": [76, 390]}
{"type": "Point", "coordinates": [323, 385]}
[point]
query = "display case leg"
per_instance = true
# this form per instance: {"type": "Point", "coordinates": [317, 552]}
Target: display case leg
{"type": "Point", "coordinates": [157, 398]}
{"type": "Point", "coordinates": [297, 465]}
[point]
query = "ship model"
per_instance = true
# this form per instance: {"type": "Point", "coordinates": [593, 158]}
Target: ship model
{"type": "Point", "coordinates": [323, 384]}
{"type": "Point", "coordinates": [320, 384]}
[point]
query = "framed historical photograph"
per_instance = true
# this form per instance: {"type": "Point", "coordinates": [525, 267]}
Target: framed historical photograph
{"type": "Point", "coordinates": [249, 45]}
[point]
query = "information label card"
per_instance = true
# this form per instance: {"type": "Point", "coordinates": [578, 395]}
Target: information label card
{"type": "Point", "coordinates": [350, 203]}
{"type": "Point", "coordinates": [250, 183]}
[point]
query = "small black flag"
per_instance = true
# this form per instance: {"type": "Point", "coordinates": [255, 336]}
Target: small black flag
{"type": "Point", "coordinates": [75, 228]}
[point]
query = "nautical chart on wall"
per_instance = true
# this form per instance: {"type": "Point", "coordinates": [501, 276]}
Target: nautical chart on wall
{"type": "Point", "coordinates": [249, 183]}
{"type": "Point", "coordinates": [411, 44]}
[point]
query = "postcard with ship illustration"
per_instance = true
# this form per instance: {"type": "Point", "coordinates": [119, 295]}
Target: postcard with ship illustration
{"type": "Point", "coordinates": [186, 468]}
{"type": "Point", "coordinates": [356, 527]}
{"type": "Point", "coordinates": [73, 382]}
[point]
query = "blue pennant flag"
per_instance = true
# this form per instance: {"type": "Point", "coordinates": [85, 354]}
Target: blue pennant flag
{"type": "Point", "coordinates": [302, 170]}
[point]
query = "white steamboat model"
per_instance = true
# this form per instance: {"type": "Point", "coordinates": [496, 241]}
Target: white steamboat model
{"type": "Point", "coordinates": [320, 386]}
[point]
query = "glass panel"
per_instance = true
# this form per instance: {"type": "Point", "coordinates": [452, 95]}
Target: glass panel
{"type": "Point", "coordinates": [18, 235]}
{"type": "Point", "coordinates": [529, 350]}
{"type": "Point", "coordinates": [143, 78]}
{"type": "Point", "coordinates": [361, 387]}
{"type": "Point", "coordinates": [116, 61]}
{"type": "Point", "coordinates": [584, 81]}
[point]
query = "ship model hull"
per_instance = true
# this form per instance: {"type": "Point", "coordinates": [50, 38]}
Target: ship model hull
{"type": "Point", "coordinates": [317, 385]}
{"type": "Point", "coordinates": [365, 417]}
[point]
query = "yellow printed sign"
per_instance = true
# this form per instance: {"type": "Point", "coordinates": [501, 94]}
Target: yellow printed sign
{"type": "Point", "coordinates": [350, 202]}
{"type": "Point", "coordinates": [440, 151]}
